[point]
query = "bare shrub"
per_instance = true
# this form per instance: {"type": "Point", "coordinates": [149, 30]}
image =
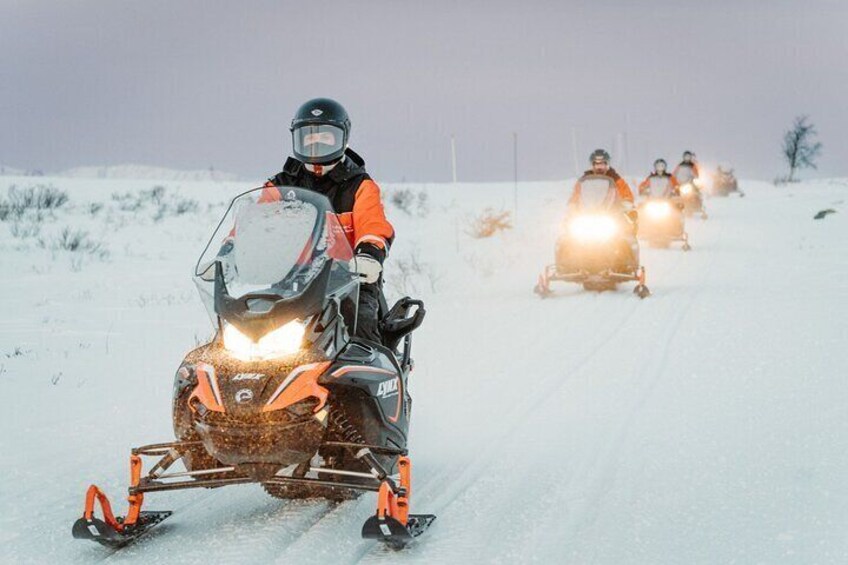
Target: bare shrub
{"type": "Point", "coordinates": [76, 241]}
{"type": "Point", "coordinates": [133, 202]}
{"type": "Point", "coordinates": [177, 207]}
{"type": "Point", "coordinates": [28, 226]}
{"type": "Point", "coordinates": [488, 223]}
{"type": "Point", "coordinates": [409, 273]}
{"type": "Point", "coordinates": [410, 202]}
{"type": "Point", "coordinates": [37, 198]}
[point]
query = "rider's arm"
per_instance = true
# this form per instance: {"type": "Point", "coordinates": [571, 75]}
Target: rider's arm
{"type": "Point", "coordinates": [372, 232]}
{"type": "Point", "coordinates": [575, 194]}
{"type": "Point", "coordinates": [623, 189]}
{"type": "Point", "coordinates": [643, 186]}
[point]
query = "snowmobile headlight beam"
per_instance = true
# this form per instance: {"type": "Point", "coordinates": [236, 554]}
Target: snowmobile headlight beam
{"type": "Point", "coordinates": [283, 341]}
{"type": "Point", "coordinates": [657, 210]}
{"type": "Point", "coordinates": [686, 189]}
{"type": "Point", "coordinates": [593, 228]}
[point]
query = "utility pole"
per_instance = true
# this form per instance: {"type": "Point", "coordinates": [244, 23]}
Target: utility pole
{"type": "Point", "coordinates": [515, 169]}
{"type": "Point", "coordinates": [574, 150]}
{"type": "Point", "coordinates": [453, 158]}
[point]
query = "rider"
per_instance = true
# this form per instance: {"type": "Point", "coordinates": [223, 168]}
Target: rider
{"type": "Point", "coordinates": [687, 162]}
{"type": "Point", "coordinates": [324, 163]}
{"type": "Point", "coordinates": [600, 161]}
{"type": "Point", "coordinates": [660, 171]}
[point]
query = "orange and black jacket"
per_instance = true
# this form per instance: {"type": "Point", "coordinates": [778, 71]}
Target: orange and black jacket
{"type": "Point", "coordinates": [355, 198]}
{"type": "Point", "coordinates": [694, 166]}
{"type": "Point", "coordinates": [645, 185]}
{"type": "Point", "coordinates": [621, 186]}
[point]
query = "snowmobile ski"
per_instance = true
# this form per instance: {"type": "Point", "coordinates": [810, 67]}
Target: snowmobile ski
{"type": "Point", "coordinates": [395, 534]}
{"type": "Point", "coordinates": [104, 534]}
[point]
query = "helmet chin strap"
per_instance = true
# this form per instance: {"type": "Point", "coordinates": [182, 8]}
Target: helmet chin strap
{"type": "Point", "coordinates": [321, 170]}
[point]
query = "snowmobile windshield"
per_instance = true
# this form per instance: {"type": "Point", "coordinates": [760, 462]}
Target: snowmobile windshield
{"type": "Point", "coordinates": [316, 141]}
{"type": "Point", "coordinates": [685, 173]}
{"type": "Point", "coordinates": [275, 242]}
{"type": "Point", "coordinates": [596, 192]}
{"type": "Point", "coordinates": [660, 186]}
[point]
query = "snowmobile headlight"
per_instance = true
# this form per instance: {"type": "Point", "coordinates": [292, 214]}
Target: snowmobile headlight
{"type": "Point", "coordinates": [593, 228]}
{"type": "Point", "coordinates": [686, 189]}
{"type": "Point", "coordinates": [283, 341]}
{"type": "Point", "coordinates": [657, 210]}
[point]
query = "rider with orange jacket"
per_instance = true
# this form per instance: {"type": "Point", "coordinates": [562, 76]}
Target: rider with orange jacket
{"type": "Point", "coordinates": [660, 171]}
{"type": "Point", "coordinates": [323, 162]}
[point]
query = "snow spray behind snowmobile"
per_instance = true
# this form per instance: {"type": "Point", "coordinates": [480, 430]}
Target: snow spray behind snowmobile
{"type": "Point", "coordinates": [596, 247]}
{"type": "Point", "coordinates": [661, 218]}
{"type": "Point", "coordinates": [283, 395]}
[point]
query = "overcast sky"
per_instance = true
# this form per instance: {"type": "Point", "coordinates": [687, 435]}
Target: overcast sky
{"type": "Point", "coordinates": [193, 84]}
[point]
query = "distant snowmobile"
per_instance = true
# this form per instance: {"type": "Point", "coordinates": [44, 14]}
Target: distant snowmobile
{"type": "Point", "coordinates": [661, 218]}
{"type": "Point", "coordinates": [724, 182]}
{"type": "Point", "coordinates": [596, 247]}
{"type": "Point", "coordinates": [690, 191]}
{"type": "Point", "coordinates": [283, 395]}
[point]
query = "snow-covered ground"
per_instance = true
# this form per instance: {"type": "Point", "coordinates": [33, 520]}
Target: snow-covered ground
{"type": "Point", "coordinates": [705, 424]}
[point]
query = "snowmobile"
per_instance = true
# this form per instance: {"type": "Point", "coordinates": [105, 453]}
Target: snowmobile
{"type": "Point", "coordinates": [597, 246]}
{"type": "Point", "coordinates": [661, 218]}
{"type": "Point", "coordinates": [690, 191]}
{"type": "Point", "coordinates": [724, 182]}
{"type": "Point", "coordinates": [283, 395]}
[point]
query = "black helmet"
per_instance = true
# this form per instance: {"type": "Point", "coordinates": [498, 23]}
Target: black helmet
{"type": "Point", "coordinates": [598, 156]}
{"type": "Point", "coordinates": [659, 162]}
{"type": "Point", "coordinates": [688, 155]}
{"type": "Point", "coordinates": [320, 130]}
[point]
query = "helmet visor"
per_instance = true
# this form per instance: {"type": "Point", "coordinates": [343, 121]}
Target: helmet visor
{"type": "Point", "coordinates": [313, 141]}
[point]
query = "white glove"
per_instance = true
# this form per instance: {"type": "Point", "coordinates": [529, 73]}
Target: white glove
{"type": "Point", "coordinates": [367, 267]}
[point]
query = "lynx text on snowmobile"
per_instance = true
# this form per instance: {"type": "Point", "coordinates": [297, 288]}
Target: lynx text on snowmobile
{"type": "Point", "coordinates": [661, 219]}
{"type": "Point", "coordinates": [283, 395]}
{"type": "Point", "coordinates": [596, 247]}
{"type": "Point", "coordinates": [690, 191]}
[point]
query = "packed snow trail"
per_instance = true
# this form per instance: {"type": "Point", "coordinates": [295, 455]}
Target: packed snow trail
{"type": "Point", "coordinates": [706, 423]}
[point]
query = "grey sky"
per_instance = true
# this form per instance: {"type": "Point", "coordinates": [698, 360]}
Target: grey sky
{"type": "Point", "coordinates": [189, 84]}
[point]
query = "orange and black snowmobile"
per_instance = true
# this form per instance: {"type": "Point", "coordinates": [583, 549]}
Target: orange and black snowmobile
{"type": "Point", "coordinates": [283, 395]}
{"type": "Point", "coordinates": [597, 246]}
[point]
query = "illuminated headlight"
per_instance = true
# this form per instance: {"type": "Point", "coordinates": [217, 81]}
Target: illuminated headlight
{"type": "Point", "coordinates": [285, 340]}
{"type": "Point", "coordinates": [657, 210]}
{"type": "Point", "coordinates": [593, 228]}
{"type": "Point", "coordinates": [686, 189]}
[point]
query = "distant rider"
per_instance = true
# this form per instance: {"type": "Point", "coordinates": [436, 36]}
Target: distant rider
{"type": "Point", "coordinates": [324, 163]}
{"type": "Point", "coordinates": [687, 170]}
{"type": "Point", "coordinates": [661, 172]}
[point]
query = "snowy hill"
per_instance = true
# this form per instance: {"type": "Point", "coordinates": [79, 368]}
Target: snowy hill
{"type": "Point", "coordinates": [705, 424]}
{"type": "Point", "coordinates": [145, 172]}
{"type": "Point", "coordinates": [128, 172]}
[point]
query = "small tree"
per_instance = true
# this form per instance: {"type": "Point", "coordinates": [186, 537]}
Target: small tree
{"type": "Point", "coordinates": [799, 149]}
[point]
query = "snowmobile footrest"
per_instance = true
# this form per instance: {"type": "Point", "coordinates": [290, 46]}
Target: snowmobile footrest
{"type": "Point", "coordinates": [394, 534]}
{"type": "Point", "coordinates": [104, 534]}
